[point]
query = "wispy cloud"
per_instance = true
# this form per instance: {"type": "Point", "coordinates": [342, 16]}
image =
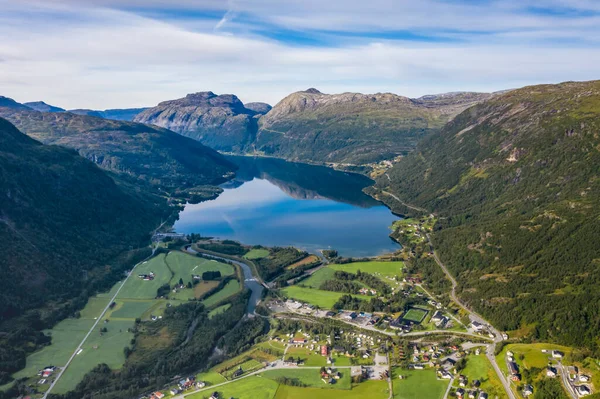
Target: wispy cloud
{"type": "Point", "coordinates": [109, 53]}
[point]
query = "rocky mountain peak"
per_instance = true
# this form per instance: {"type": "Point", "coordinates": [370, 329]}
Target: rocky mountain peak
{"type": "Point", "coordinates": [312, 90]}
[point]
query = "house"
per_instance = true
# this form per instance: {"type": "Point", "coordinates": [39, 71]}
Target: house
{"type": "Point", "coordinates": [174, 391]}
{"type": "Point", "coordinates": [557, 354]}
{"type": "Point", "coordinates": [200, 384]}
{"type": "Point", "coordinates": [482, 395]}
{"type": "Point", "coordinates": [476, 383]}
{"type": "Point", "coordinates": [449, 363]}
{"type": "Point", "coordinates": [460, 393]}
{"type": "Point", "coordinates": [528, 390]}
{"type": "Point", "coordinates": [462, 381]}
{"type": "Point", "coordinates": [584, 378]}
{"type": "Point", "coordinates": [297, 340]}
{"type": "Point", "coordinates": [350, 316]}
{"type": "Point", "coordinates": [324, 350]}
{"type": "Point", "coordinates": [477, 326]}
{"type": "Point", "coordinates": [418, 367]}
{"type": "Point", "coordinates": [215, 395]}
{"type": "Point", "coordinates": [551, 372]}
{"type": "Point", "coordinates": [437, 317]}
{"type": "Point", "coordinates": [330, 314]}
{"type": "Point", "coordinates": [158, 395]}
{"type": "Point", "coordinates": [583, 390]}
{"type": "Point", "coordinates": [238, 372]}
{"type": "Point", "coordinates": [472, 394]}
{"type": "Point", "coordinates": [446, 375]}
{"type": "Point", "coordinates": [513, 368]}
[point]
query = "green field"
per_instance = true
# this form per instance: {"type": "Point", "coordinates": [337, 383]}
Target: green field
{"type": "Point", "coordinates": [419, 384]}
{"type": "Point", "coordinates": [248, 366]}
{"type": "Point", "coordinates": [131, 309]}
{"type": "Point", "coordinates": [534, 357]}
{"type": "Point", "coordinates": [218, 310]}
{"type": "Point", "coordinates": [310, 377]}
{"type": "Point", "coordinates": [137, 288]}
{"type": "Point", "coordinates": [368, 389]}
{"type": "Point", "coordinates": [319, 277]}
{"type": "Point", "coordinates": [230, 288]}
{"type": "Point", "coordinates": [257, 253]}
{"type": "Point", "coordinates": [211, 378]}
{"type": "Point", "coordinates": [415, 314]}
{"type": "Point", "coordinates": [184, 265]}
{"type": "Point", "coordinates": [253, 387]}
{"type": "Point", "coordinates": [97, 349]}
{"type": "Point", "coordinates": [479, 368]}
{"type": "Point", "coordinates": [386, 269]}
{"type": "Point", "coordinates": [323, 299]}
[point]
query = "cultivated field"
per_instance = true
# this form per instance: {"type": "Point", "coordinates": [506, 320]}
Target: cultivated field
{"type": "Point", "coordinates": [480, 368]}
{"type": "Point", "coordinates": [367, 389]}
{"type": "Point", "coordinates": [305, 261]}
{"type": "Point", "coordinates": [230, 288]}
{"type": "Point", "coordinates": [385, 269]}
{"type": "Point", "coordinates": [310, 377]}
{"type": "Point", "coordinates": [419, 384]}
{"type": "Point", "coordinates": [253, 387]}
{"type": "Point", "coordinates": [323, 299]}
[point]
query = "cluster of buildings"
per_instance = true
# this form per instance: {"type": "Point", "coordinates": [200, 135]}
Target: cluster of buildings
{"type": "Point", "coordinates": [471, 394]}
{"type": "Point", "coordinates": [45, 373]}
{"type": "Point", "coordinates": [329, 375]}
{"type": "Point", "coordinates": [147, 277]}
{"type": "Point", "coordinates": [186, 383]}
{"type": "Point", "coordinates": [367, 291]}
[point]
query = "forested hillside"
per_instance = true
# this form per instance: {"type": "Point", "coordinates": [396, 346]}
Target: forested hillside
{"type": "Point", "coordinates": [514, 181]}
{"type": "Point", "coordinates": [65, 230]}
{"type": "Point", "coordinates": [154, 155]}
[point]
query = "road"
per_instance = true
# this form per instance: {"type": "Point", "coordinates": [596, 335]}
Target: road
{"type": "Point", "coordinates": [490, 351]}
{"type": "Point", "coordinates": [64, 368]}
{"type": "Point", "coordinates": [564, 375]}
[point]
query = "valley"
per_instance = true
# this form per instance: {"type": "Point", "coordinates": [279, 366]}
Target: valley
{"type": "Point", "coordinates": [278, 279]}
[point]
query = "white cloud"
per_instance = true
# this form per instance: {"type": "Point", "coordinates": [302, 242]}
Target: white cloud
{"type": "Point", "coordinates": [95, 56]}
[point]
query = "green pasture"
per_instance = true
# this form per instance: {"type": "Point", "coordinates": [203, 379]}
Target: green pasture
{"type": "Point", "coordinates": [257, 253]}
{"type": "Point", "coordinates": [418, 384]}
{"type": "Point", "coordinates": [230, 289]}
{"type": "Point", "coordinates": [310, 377]}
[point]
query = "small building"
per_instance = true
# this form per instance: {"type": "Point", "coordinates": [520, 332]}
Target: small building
{"type": "Point", "coordinates": [557, 354]}
{"type": "Point", "coordinates": [584, 378]}
{"type": "Point", "coordinates": [324, 350]}
{"type": "Point", "coordinates": [528, 390]}
{"type": "Point", "coordinates": [477, 326]}
{"type": "Point", "coordinates": [460, 393]}
{"type": "Point", "coordinates": [483, 395]}
{"type": "Point", "coordinates": [513, 368]}
{"type": "Point", "coordinates": [551, 372]}
{"type": "Point", "coordinates": [583, 390]}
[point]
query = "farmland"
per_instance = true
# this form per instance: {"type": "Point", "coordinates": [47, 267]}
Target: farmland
{"type": "Point", "coordinates": [254, 387]}
{"type": "Point", "coordinates": [310, 377]}
{"type": "Point", "coordinates": [230, 288]}
{"type": "Point", "coordinates": [385, 269]}
{"type": "Point", "coordinates": [137, 299]}
{"type": "Point", "coordinates": [368, 389]}
{"type": "Point", "coordinates": [323, 299]}
{"type": "Point", "coordinates": [308, 260]}
{"type": "Point", "coordinates": [418, 384]}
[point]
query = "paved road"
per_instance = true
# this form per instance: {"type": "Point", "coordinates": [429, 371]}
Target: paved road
{"type": "Point", "coordinates": [89, 332]}
{"type": "Point", "coordinates": [490, 351]}
{"type": "Point", "coordinates": [564, 375]}
{"type": "Point", "coordinates": [416, 208]}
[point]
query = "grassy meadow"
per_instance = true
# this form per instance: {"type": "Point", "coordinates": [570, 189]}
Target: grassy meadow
{"type": "Point", "coordinates": [418, 384]}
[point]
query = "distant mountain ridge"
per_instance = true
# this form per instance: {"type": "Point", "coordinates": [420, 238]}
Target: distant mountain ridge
{"type": "Point", "coordinates": [154, 155]}
{"type": "Point", "coordinates": [221, 122]}
{"type": "Point", "coordinates": [309, 125]}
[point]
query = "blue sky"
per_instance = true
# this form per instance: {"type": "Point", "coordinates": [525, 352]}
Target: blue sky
{"type": "Point", "coordinates": [121, 53]}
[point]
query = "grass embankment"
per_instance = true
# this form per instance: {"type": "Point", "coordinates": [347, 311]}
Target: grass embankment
{"type": "Point", "coordinates": [257, 253]}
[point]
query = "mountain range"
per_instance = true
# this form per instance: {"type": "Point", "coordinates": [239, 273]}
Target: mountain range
{"type": "Point", "coordinates": [310, 126]}
{"type": "Point", "coordinates": [154, 155]}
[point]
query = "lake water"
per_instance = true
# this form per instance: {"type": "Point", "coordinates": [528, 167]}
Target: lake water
{"type": "Point", "coordinates": [277, 203]}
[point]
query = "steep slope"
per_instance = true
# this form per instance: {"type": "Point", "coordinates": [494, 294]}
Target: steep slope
{"type": "Point", "coordinates": [43, 107]}
{"type": "Point", "coordinates": [60, 216]}
{"type": "Point", "coordinates": [352, 127]}
{"type": "Point", "coordinates": [220, 122]}
{"type": "Point", "coordinates": [86, 112]}
{"type": "Point", "coordinates": [154, 155]}
{"type": "Point", "coordinates": [515, 183]}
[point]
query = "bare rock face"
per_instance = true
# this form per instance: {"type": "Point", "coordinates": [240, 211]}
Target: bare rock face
{"type": "Point", "coordinates": [219, 121]}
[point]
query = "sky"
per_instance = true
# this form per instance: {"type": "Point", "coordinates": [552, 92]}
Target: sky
{"type": "Point", "coordinates": [129, 53]}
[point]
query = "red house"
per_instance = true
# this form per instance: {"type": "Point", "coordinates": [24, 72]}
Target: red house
{"type": "Point", "coordinates": [324, 350]}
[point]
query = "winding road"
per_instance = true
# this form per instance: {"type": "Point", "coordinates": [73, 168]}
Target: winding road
{"type": "Point", "coordinates": [491, 349]}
